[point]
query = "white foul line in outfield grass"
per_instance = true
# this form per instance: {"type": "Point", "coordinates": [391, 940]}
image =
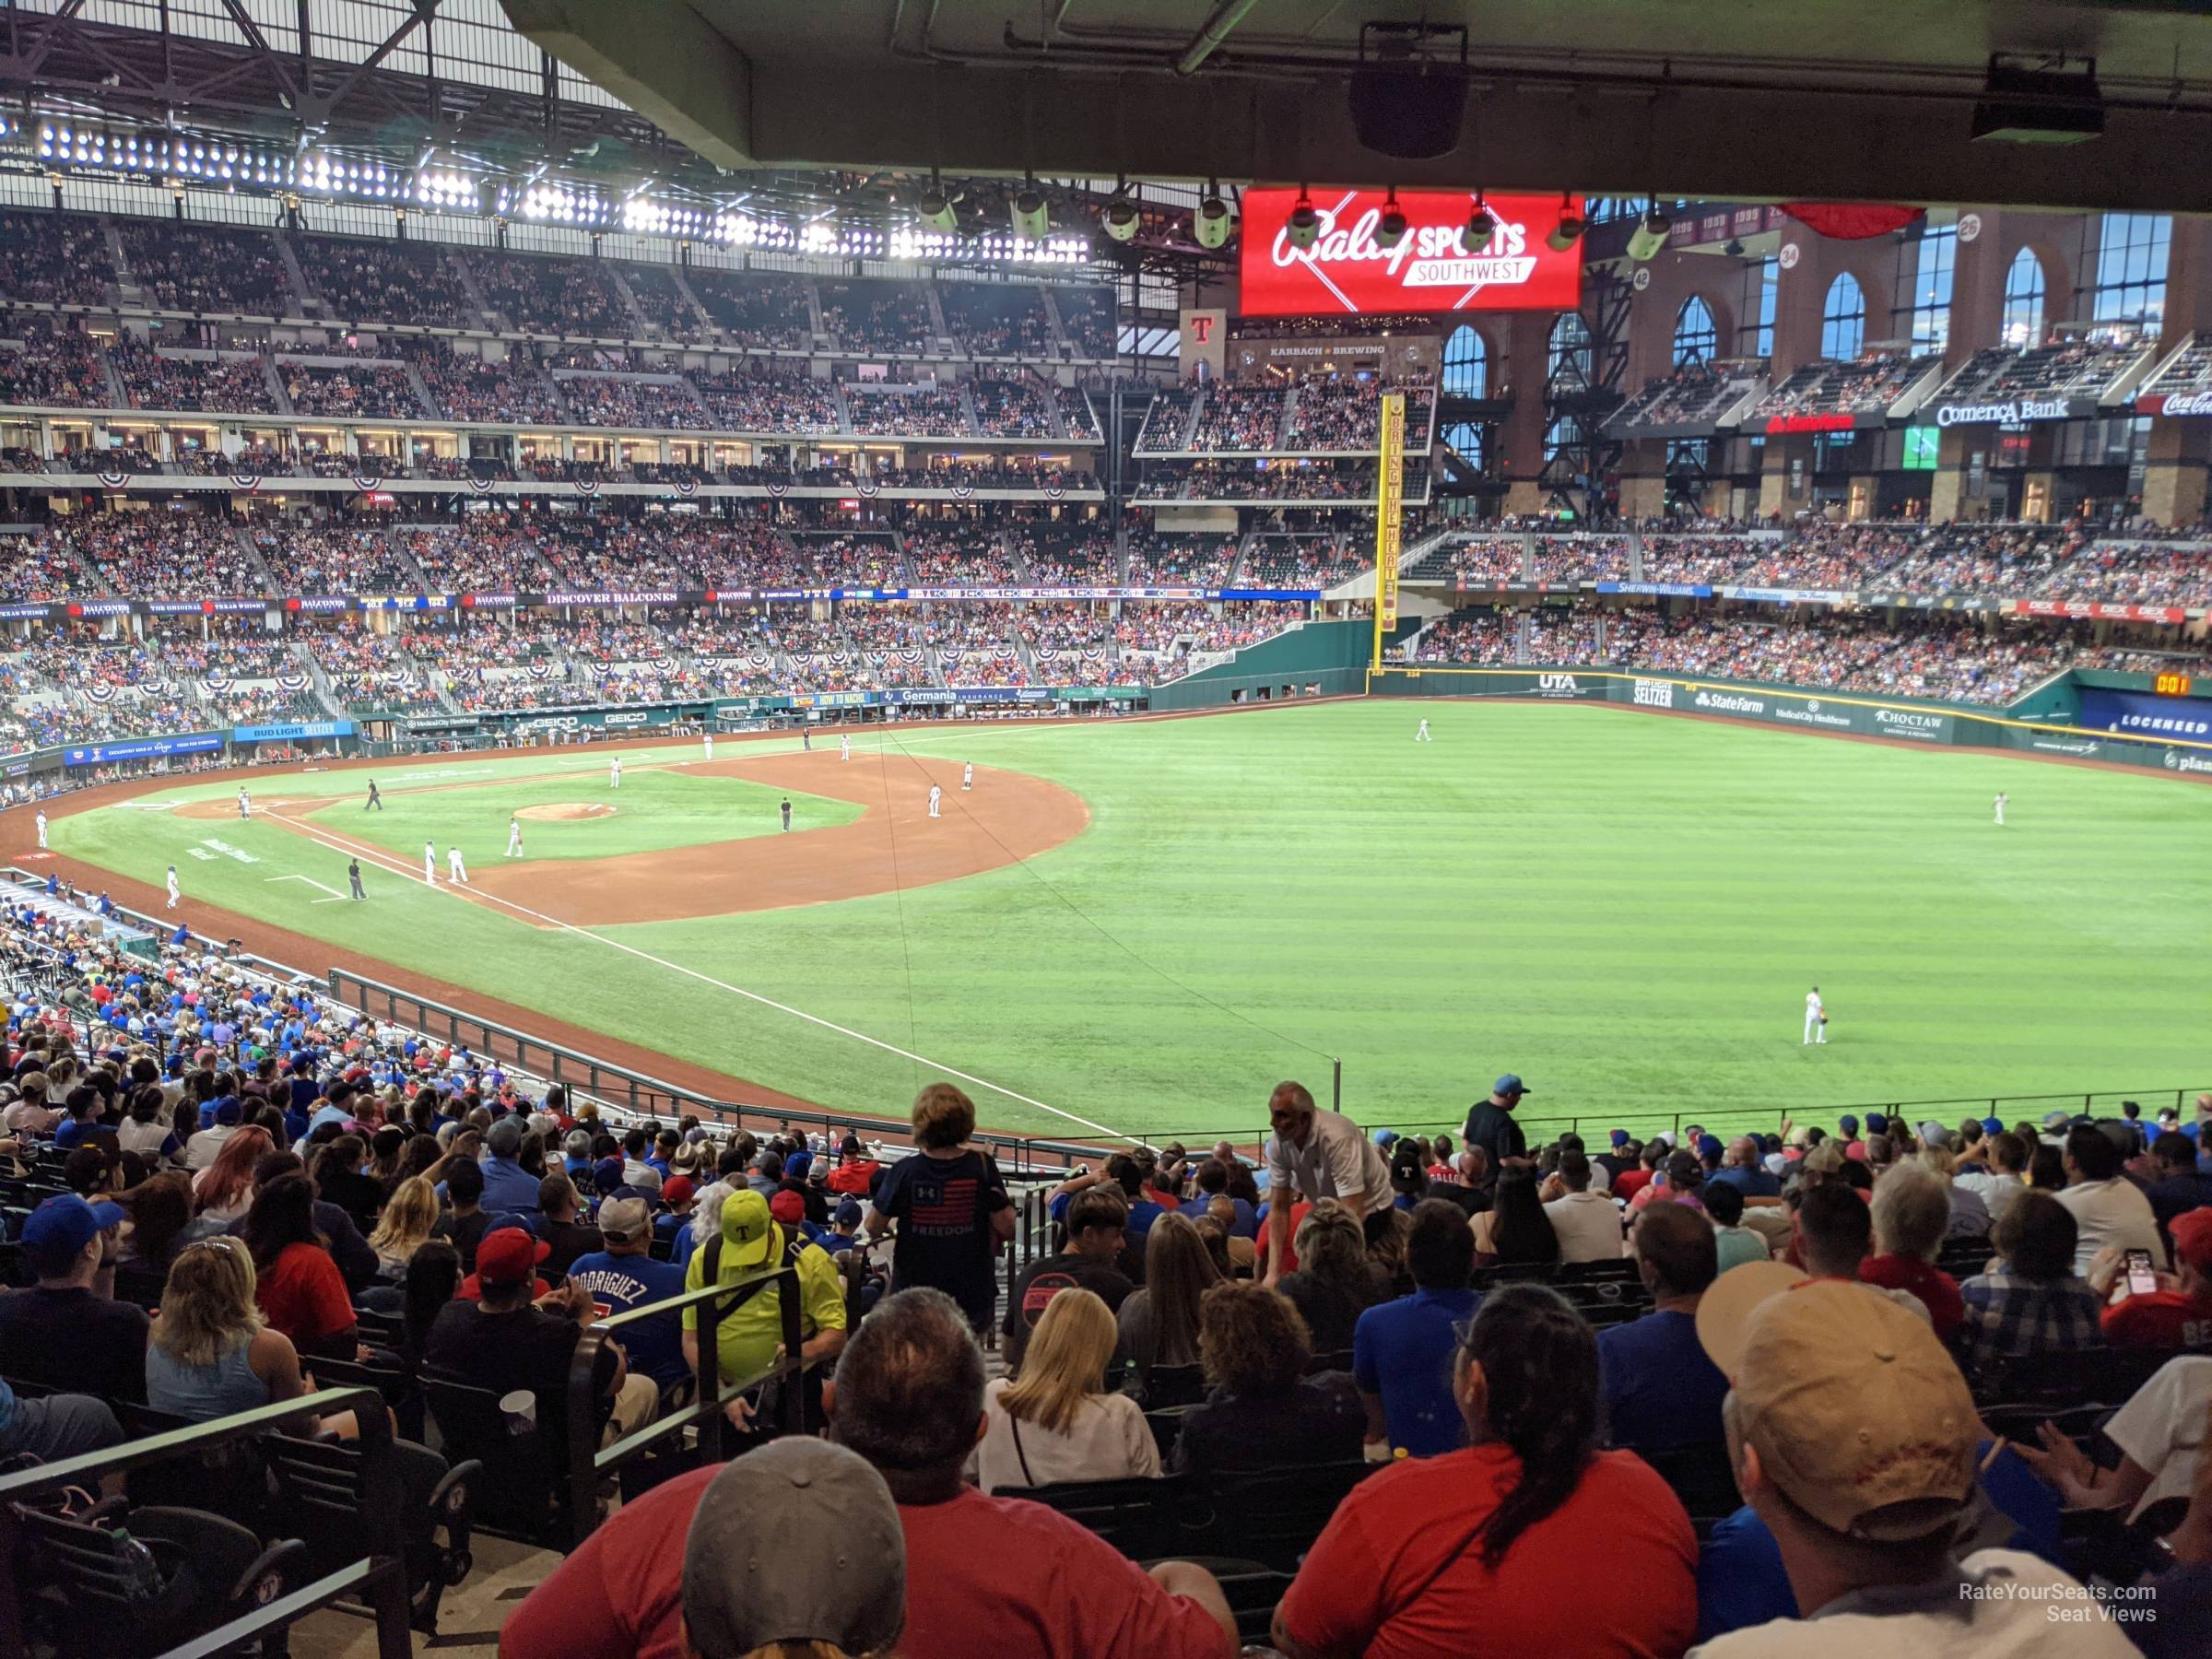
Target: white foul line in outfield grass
{"type": "Point", "coordinates": [336, 897]}
{"type": "Point", "coordinates": [392, 865]}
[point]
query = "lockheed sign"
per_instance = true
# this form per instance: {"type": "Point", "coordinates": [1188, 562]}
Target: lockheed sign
{"type": "Point", "coordinates": [1347, 272]}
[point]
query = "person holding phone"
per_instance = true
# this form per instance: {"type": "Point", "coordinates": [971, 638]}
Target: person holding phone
{"type": "Point", "coordinates": [2158, 1310]}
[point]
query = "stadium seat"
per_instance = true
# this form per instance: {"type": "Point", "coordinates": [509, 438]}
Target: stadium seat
{"type": "Point", "coordinates": [1272, 1517]}
{"type": "Point", "coordinates": [1140, 1518]}
{"type": "Point", "coordinates": [1700, 1476]}
{"type": "Point", "coordinates": [519, 1492]}
{"type": "Point", "coordinates": [1171, 1385]}
{"type": "Point", "coordinates": [128, 1580]}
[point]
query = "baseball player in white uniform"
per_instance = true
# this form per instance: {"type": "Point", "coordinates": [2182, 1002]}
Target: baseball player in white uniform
{"type": "Point", "coordinates": [844, 748]}
{"type": "Point", "coordinates": [40, 820]}
{"type": "Point", "coordinates": [1422, 735]}
{"type": "Point", "coordinates": [614, 773]}
{"type": "Point", "coordinates": [936, 798]}
{"type": "Point", "coordinates": [245, 805]}
{"type": "Point", "coordinates": [967, 777]}
{"type": "Point", "coordinates": [429, 863]}
{"type": "Point", "coordinates": [454, 868]}
{"type": "Point", "coordinates": [1816, 1017]}
{"type": "Point", "coordinates": [514, 838]}
{"type": "Point", "coordinates": [708, 737]}
{"type": "Point", "coordinates": [175, 892]}
{"type": "Point", "coordinates": [2002, 799]}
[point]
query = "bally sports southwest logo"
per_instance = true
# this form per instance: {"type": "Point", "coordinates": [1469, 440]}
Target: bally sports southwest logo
{"type": "Point", "coordinates": [1349, 267]}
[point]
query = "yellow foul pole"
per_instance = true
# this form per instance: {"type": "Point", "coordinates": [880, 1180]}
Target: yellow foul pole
{"type": "Point", "coordinates": [1389, 491]}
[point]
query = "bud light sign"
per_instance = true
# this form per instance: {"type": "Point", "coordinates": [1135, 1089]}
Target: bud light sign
{"type": "Point", "coordinates": [1435, 266]}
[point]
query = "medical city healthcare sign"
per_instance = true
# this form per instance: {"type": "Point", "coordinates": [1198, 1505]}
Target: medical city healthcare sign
{"type": "Point", "coordinates": [1347, 272]}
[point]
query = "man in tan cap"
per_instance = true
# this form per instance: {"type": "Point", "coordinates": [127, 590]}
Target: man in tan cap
{"type": "Point", "coordinates": [1852, 1435]}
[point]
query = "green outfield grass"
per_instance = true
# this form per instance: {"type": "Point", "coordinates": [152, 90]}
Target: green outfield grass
{"type": "Point", "coordinates": [1625, 909]}
{"type": "Point", "coordinates": [654, 809]}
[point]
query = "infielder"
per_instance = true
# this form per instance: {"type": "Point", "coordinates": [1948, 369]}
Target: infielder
{"type": "Point", "coordinates": [967, 777]}
{"type": "Point", "coordinates": [807, 738]}
{"type": "Point", "coordinates": [709, 739]}
{"type": "Point", "coordinates": [936, 797]}
{"type": "Point", "coordinates": [375, 801]}
{"type": "Point", "coordinates": [514, 838]}
{"type": "Point", "coordinates": [245, 805]}
{"type": "Point", "coordinates": [2002, 799]}
{"type": "Point", "coordinates": [787, 814]}
{"type": "Point", "coordinates": [1422, 735]}
{"type": "Point", "coordinates": [175, 892]}
{"type": "Point", "coordinates": [353, 878]}
{"type": "Point", "coordinates": [1815, 1017]}
{"type": "Point", "coordinates": [40, 821]}
{"type": "Point", "coordinates": [454, 868]}
{"type": "Point", "coordinates": [614, 773]}
{"type": "Point", "coordinates": [429, 863]}
{"type": "Point", "coordinates": [845, 747]}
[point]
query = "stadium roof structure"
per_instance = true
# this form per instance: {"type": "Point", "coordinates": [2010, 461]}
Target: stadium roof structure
{"type": "Point", "coordinates": [1872, 100]}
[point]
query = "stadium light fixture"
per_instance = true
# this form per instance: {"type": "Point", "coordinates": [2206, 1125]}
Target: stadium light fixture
{"type": "Point", "coordinates": [1475, 236]}
{"type": "Point", "coordinates": [1649, 238]}
{"type": "Point", "coordinates": [1390, 230]}
{"type": "Point", "coordinates": [1120, 220]}
{"type": "Point", "coordinates": [1032, 215]}
{"type": "Point", "coordinates": [1211, 225]}
{"type": "Point", "coordinates": [1302, 229]}
{"type": "Point", "coordinates": [1570, 226]}
{"type": "Point", "coordinates": [937, 210]}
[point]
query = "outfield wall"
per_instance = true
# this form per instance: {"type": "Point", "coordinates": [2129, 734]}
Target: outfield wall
{"type": "Point", "coordinates": [1894, 719]}
{"type": "Point", "coordinates": [1320, 659]}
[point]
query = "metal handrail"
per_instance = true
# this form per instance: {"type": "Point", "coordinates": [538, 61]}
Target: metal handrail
{"type": "Point", "coordinates": [381, 1500]}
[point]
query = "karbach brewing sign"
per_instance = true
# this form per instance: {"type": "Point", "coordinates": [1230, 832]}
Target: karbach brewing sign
{"type": "Point", "coordinates": [1347, 272]}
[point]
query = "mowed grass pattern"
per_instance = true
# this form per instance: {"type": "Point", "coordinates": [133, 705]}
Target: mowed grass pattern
{"type": "Point", "coordinates": [1625, 909]}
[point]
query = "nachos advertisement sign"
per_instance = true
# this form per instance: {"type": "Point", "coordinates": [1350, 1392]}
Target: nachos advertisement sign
{"type": "Point", "coordinates": [1348, 272]}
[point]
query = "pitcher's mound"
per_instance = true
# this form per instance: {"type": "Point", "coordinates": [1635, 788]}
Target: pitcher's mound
{"type": "Point", "coordinates": [566, 812]}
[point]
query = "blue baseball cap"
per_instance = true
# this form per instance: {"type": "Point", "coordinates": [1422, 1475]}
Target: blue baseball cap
{"type": "Point", "coordinates": [1709, 1146]}
{"type": "Point", "coordinates": [1848, 1123]}
{"type": "Point", "coordinates": [607, 1175]}
{"type": "Point", "coordinates": [1619, 1138]}
{"type": "Point", "coordinates": [1509, 1084]}
{"type": "Point", "coordinates": [60, 1229]}
{"type": "Point", "coordinates": [1992, 1125]}
{"type": "Point", "coordinates": [849, 1213]}
{"type": "Point", "coordinates": [797, 1164]}
{"type": "Point", "coordinates": [1386, 1138]}
{"type": "Point", "coordinates": [1876, 1124]}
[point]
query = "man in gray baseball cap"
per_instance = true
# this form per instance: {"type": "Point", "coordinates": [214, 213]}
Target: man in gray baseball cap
{"type": "Point", "coordinates": [796, 1542]}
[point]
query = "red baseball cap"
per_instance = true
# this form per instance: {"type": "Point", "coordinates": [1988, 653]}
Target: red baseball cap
{"type": "Point", "coordinates": [2191, 1236]}
{"type": "Point", "coordinates": [678, 1189]}
{"type": "Point", "coordinates": [508, 1256]}
{"type": "Point", "coordinates": [786, 1207]}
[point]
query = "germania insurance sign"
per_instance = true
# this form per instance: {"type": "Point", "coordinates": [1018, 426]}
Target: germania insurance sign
{"type": "Point", "coordinates": [1347, 273]}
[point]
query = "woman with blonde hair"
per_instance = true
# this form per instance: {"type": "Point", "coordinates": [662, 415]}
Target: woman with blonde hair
{"type": "Point", "coordinates": [1056, 1422]}
{"type": "Point", "coordinates": [210, 1354]}
{"type": "Point", "coordinates": [224, 1190]}
{"type": "Point", "coordinates": [409, 1219]}
{"type": "Point", "coordinates": [1336, 1280]}
{"type": "Point", "coordinates": [1160, 1323]}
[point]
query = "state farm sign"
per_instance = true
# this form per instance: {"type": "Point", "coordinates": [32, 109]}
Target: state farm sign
{"type": "Point", "coordinates": [1347, 273]}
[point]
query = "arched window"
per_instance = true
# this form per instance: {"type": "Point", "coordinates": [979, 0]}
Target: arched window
{"type": "Point", "coordinates": [1467, 364]}
{"type": "Point", "coordinates": [2023, 323]}
{"type": "Point", "coordinates": [1843, 320]}
{"type": "Point", "coordinates": [1696, 334]}
{"type": "Point", "coordinates": [1570, 346]}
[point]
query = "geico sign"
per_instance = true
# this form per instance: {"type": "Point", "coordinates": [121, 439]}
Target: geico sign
{"type": "Point", "coordinates": [1347, 271]}
{"type": "Point", "coordinates": [1655, 694]}
{"type": "Point", "coordinates": [2001, 414]}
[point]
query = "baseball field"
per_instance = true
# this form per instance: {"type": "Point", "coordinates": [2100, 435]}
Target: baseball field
{"type": "Point", "coordinates": [1138, 927]}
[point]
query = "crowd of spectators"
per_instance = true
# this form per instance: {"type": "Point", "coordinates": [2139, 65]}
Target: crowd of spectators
{"type": "Point", "coordinates": [1475, 562]}
{"type": "Point", "coordinates": [1087, 318]}
{"type": "Point", "coordinates": [1245, 419]}
{"type": "Point", "coordinates": [879, 317]}
{"type": "Point", "coordinates": [925, 410]}
{"type": "Point", "coordinates": [1696, 560]}
{"type": "Point", "coordinates": [997, 320]}
{"type": "Point", "coordinates": [1011, 408]}
{"type": "Point", "coordinates": [1564, 559]}
{"type": "Point", "coordinates": [55, 258]}
{"type": "Point", "coordinates": [1692, 394]}
{"type": "Point", "coordinates": [226, 384]}
{"type": "Point", "coordinates": [312, 559]}
{"type": "Point", "coordinates": [1174, 559]}
{"type": "Point", "coordinates": [661, 301]}
{"type": "Point", "coordinates": [670, 404]}
{"type": "Point", "coordinates": [756, 399]}
{"type": "Point", "coordinates": [492, 553]}
{"type": "Point", "coordinates": [1306, 561]}
{"type": "Point", "coordinates": [368, 672]}
{"type": "Point", "coordinates": [186, 555]}
{"type": "Point", "coordinates": [202, 268]}
{"type": "Point", "coordinates": [1076, 554]}
{"type": "Point", "coordinates": [551, 296]}
{"type": "Point", "coordinates": [1276, 479]}
{"type": "Point", "coordinates": [761, 312]}
{"type": "Point", "coordinates": [56, 364]}
{"type": "Point", "coordinates": [967, 554]}
{"type": "Point", "coordinates": [1168, 421]}
{"type": "Point", "coordinates": [465, 386]}
{"type": "Point", "coordinates": [370, 391]}
{"type": "Point", "coordinates": [1978, 559]}
{"type": "Point", "coordinates": [1470, 637]}
{"type": "Point", "coordinates": [1347, 414]}
{"type": "Point", "coordinates": [363, 281]}
{"type": "Point", "coordinates": [1080, 418]}
{"type": "Point", "coordinates": [2140, 572]}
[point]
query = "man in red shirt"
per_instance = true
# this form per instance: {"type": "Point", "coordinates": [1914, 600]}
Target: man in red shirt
{"type": "Point", "coordinates": [985, 1575]}
{"type": "Point", "coordinates": [2178, 1313]}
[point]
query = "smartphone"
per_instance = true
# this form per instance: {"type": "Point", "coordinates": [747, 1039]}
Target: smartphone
{"type": "Point", "coordinates": [2141, 1280]}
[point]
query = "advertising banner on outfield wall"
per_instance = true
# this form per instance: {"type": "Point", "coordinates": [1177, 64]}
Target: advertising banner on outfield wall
{"type": "Point", "coordinates": [292, 731]}
{"type": "Point", "coordinates": [142, 748]}
{"type": "Point", "coordinates": [2140, 714]}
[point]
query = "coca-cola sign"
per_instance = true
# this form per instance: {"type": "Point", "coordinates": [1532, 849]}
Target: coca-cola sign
{"type": "Point", "coordinates": [1347, 272]}
{"type": "Point", "coordinates": [2175, 404]}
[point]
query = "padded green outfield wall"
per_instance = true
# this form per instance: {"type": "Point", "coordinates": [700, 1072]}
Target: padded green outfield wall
{"type": "Point", "coordinates": [1320, 659]}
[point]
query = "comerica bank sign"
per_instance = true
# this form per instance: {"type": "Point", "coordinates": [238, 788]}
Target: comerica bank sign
{"type": "Point", "coordinates": [2011, 413]}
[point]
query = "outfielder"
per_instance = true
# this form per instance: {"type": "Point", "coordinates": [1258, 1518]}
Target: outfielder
{"type": "Point", "coordinates": [936, 795]}
{"type": "Point", "coordinates": [429, 863]}
{"type": "Point", "coordinates": [40, 821]}
{"type": "Point", "coordinates": [175, 892]}
{"type": "Point", "coordinates": [1815, 1017]}
{"type": "Point", "coordinates": [2002, 799]}
{"type": "Point", "coordinates": [454, 868]}
{"type": "Point", "coordinates": [967, 777]}
{"type": "Point", "coordinates": [514, 838]}
{"type": "Point", "coordinates": [1422, 735]}
{"type": "Point", "coordinates": [614, 773]}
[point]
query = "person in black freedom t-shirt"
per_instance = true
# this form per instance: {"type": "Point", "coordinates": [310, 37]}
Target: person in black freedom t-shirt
{"type": "Point", "coordinates": [1097, 1220]}
{"type": "Point", "coordinates": [950, 1203]}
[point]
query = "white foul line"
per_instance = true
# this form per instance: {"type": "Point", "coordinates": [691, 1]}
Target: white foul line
{"type": "Point", "coordinates": [386, 861]}
{"type": "Point", "coordinates": [308, 879]}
